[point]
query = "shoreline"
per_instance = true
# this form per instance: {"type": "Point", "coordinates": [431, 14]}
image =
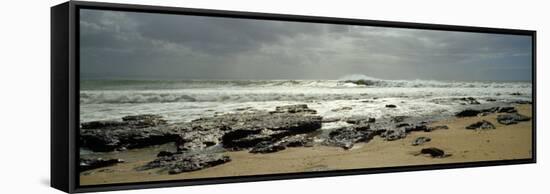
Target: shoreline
{"type": "Point", "coordinates": [504, 142]}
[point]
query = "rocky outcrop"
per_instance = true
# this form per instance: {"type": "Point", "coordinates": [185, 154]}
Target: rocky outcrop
{"type": "Point", "coordinates": [176, 163]}
{"type": "Point", "coordinates": [481, 125]}
{"type": "Point", "coordinates": [131, 132]}
{"type": "Point", "coordinates": [234, 131]}
{"type": "Point", "coordinates": [267, 147]}
{"type": "Point", "coordinates": [514, 118]}
{"type": "Point", "coordinates": [346, 137]}
{"type": "Point", "coordinates": [268, 127]}
{"type": "Point", "coordinates": [298, 108]}
{"type": "Point", "coordinates": [132, 121]}
{"type": "Point", "coordinates": [88, 164]}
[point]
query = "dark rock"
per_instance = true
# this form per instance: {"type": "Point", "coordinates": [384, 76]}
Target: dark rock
{"type": "Point", "coordinates": [434, 152]}
{"type": "Point", "coordinates": [300, 140]}
{"type": "Point", "coordinates": [132, 132]}
{"type": "Point", "coordinates": [491, 100]}
{"type": "Point", "coordinates": [346, 137]}
{"type": "Point", "coordinates": [88, 164]}
{"type": "Point", "coordinates": [179, 163]}
{"type": "Point", "coordinates": [363, 82]}
{"type": "Point", "coordinates": [197, 137]}
{"type": "Point", "coordinates": [516, 94]}
{"type": "Point", "coordinates": [391, 106]}
{"type": "Point", "coordinates": [235, 131]}
{"type": "Point", "coordinates": [103, 124]}
{"type": "Point", "coordinates": [476, 112]}
{"type": "Point", "coordinates": [468, 113]}
{"type": "Point", "coordinates": [394, 134]}
{"type": "Point", "coordinates": [299, 108]}
{"type": "Point", "coordinates": [269, 127]}
{"type": "Point", "coordinates": [481, 125]}
{"type": "Point", "coordinates": [102, 140]}
{"type": "Point", "coordinates": [267, 147]}
{"type": "Point", "coordinates": [420, 141]}
{"type": "Point", "coordinates": [297, 141]}
{"type": "Point", "coordinates": [417, 127]}
{"type": "Point", "coordinates": [507, 109]}
{"type": "Point", "coordinates": [514, 118]}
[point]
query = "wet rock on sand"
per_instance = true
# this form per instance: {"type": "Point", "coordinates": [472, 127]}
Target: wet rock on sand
{"type": "Point", "coordinates": [267, 147]}
{"type": "Point", "coordinates": [507, 109]}
{"type": "Point", "coordinates": [433, 128]}
{"type": "Point", "coordinates": [301, 140]}
{"type": "Point", "coordinates": [434, 152]}
{"type": "Point", "coordinates": [88, 164]}
{"type": "Point", "coordinates": [182, 162]}
{"type": "Point", "coordinates": [420, 141]}
{"type": "Point", "coordinates": [514, 118]}
{"type": "Point", "coordinates": [346, 137]}
{"type": "Point", "coordinates": [468, 113]}
{"type": "Point", "coordinates": [481, 125]}
{"type": "Point", "coordinates": [476, 112]}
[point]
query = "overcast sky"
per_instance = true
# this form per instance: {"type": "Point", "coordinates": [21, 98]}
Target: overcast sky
{"type": "Point", "coordinates": [127, 45]}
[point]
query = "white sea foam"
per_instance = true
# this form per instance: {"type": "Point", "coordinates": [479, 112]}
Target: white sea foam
{"type": "Point", "coordinates": [187, 100]}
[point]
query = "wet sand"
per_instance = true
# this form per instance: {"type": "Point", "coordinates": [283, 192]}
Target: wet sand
{"type": "Point", "coordinates": [503, 143]}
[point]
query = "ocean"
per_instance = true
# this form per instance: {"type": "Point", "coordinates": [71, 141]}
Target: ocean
{"type": "Point", "coordinates": [186, 100]}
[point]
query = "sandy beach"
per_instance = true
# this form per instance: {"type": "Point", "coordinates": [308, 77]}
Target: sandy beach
{"type": "Point", "coordinates": [503, 143]}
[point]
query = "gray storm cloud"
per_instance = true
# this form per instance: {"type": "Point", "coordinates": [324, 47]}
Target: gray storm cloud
{"type": "Point", "coordinates": [127, 45]}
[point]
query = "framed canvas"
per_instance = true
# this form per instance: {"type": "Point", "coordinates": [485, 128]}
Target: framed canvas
{"type": "Point", "coordinates": [149, 96]}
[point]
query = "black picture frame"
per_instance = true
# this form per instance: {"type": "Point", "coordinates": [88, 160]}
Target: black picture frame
{"type": "Point", "coordinates": [65, 94]}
